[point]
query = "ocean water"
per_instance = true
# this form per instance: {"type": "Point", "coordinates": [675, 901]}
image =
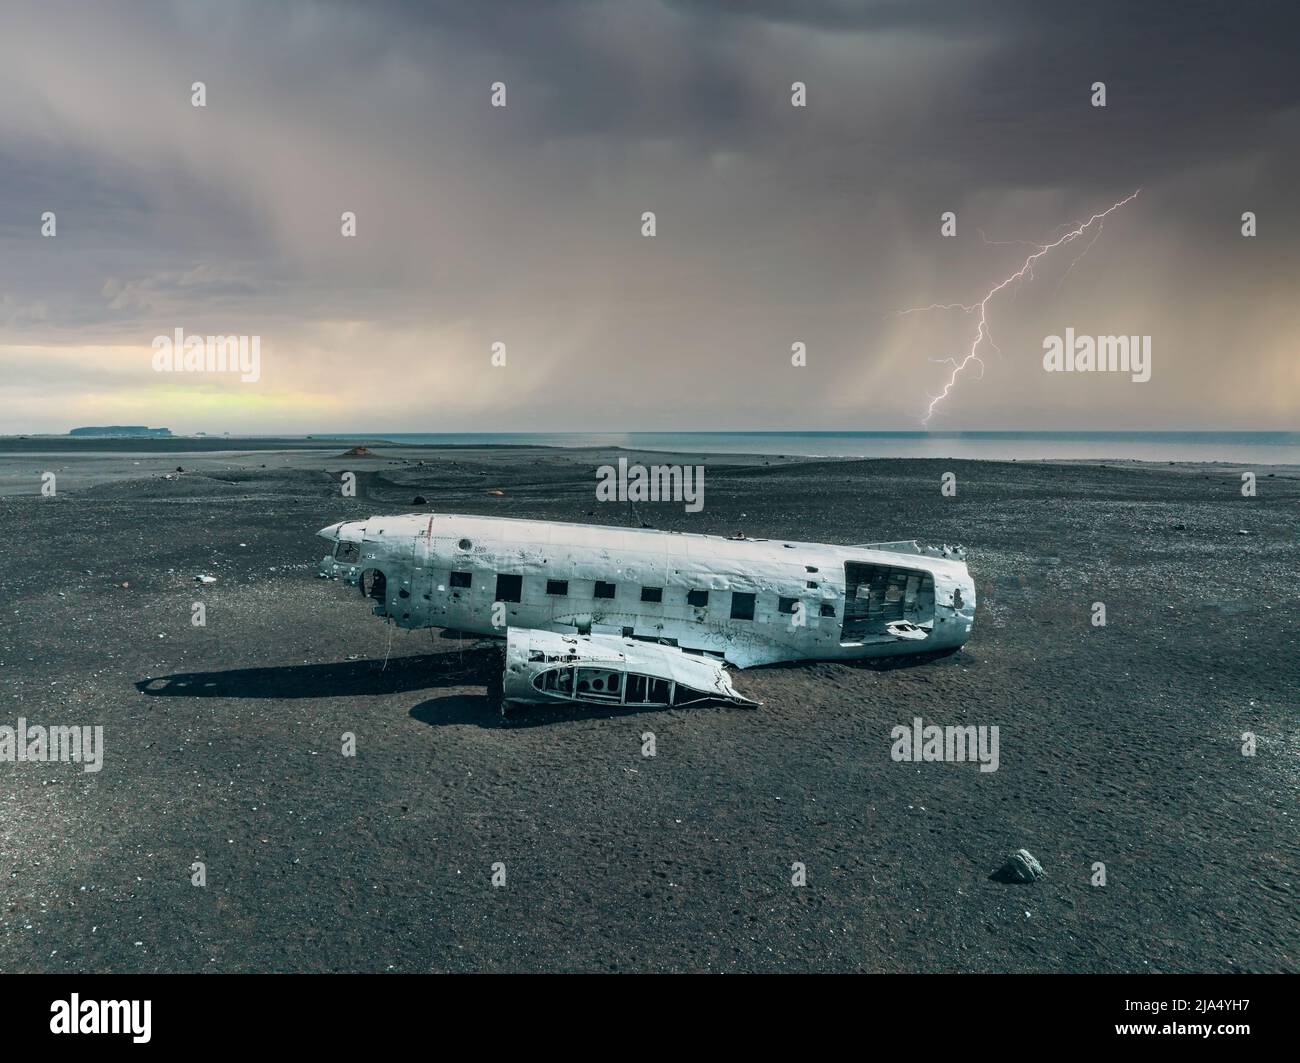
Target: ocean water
{"type": "Point", "coordinates": [1262, 448]}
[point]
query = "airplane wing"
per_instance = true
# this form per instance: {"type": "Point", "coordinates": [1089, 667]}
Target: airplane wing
{"type": "Point", "coordinates": [545, 667]}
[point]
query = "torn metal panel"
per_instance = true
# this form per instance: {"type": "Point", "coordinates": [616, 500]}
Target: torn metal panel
{"type": "Point", "coordinates": [911, 546]}
{"type": "Point", "coordinates": [749, 601]}
{"type": "Point", "coordinates": [546, 667]}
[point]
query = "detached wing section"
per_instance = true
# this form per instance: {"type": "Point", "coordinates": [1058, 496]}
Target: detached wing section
{"type": "Point", "coordinates": [544, 667]}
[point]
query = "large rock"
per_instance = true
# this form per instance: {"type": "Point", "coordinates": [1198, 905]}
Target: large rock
{"type": "Point", "coordinates": [1021, 866]}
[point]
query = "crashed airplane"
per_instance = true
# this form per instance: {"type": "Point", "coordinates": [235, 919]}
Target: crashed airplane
{"type": "Point", "coordinates": [638, 617]}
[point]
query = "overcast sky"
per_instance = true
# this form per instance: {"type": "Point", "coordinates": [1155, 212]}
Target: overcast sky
{"type": "Point", "coordinates": [522, 224]}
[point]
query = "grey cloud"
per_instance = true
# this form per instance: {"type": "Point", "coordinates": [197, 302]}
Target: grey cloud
{"type": "Point", "coordinates": [774, 224]}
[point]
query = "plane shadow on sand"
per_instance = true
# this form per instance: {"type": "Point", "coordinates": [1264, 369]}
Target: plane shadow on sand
{"type": "Point", "coordinates": [331, 680]}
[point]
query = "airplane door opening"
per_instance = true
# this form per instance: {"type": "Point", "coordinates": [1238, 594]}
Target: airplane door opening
{"type": "Point", "coordinates": [878, 595]}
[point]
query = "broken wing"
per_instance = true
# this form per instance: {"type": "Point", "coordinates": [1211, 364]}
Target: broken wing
{"type": "Point", "coordinates": [545, 667]}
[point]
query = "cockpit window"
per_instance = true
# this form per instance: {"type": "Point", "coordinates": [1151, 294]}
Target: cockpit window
{"type": "Point", "coordinates": [347, 552]}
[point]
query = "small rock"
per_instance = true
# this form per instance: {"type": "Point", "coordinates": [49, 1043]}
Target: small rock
{"type": "Point", "coordinates": [419, 500]}
{"type": "Point", "coordinates": [1021, 866]}
{"type": "Point", "coordinates": [205, 579]}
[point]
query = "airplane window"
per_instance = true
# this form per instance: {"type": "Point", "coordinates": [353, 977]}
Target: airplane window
{"type": "Point", "coordinates": [461, 579]}
{"type": "Point", "coordinates": [652, 594]}
{"type": "Point", "coordinates": [697, 597]}
{"type": "Point", "coordinates": [742, 606]}
{"type": "Point", "coordinates": [604, 590]}
{"type": "Point", "coordinates": [464, 544]}
{"type": "Point", "coordinates": [827, 609]}
{"type": "Point", "coordinates": [557, 586]}
{"type": "Point", "coordinates": [347, 552]}
{"type": "Point", "coordinates": [509, 588]}
{"type": "Point", "coordinates": [785, 605]}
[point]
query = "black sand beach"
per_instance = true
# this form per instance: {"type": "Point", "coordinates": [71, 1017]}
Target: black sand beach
{"type": "Point", "coordinates": [1120, 745]}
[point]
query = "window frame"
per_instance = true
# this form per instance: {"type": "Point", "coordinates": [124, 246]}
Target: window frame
{"type": "Point", "coordinates": [752, 598]}
{"type": "Point", "coordinates": [499, 597]}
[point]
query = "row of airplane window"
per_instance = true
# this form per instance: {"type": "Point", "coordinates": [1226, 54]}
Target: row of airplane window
{"type": "Point", "coordinates": [510, 589]}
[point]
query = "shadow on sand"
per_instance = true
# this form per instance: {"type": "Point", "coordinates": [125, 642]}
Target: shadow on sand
{"type": "Point", "coordinates": [337, 679]}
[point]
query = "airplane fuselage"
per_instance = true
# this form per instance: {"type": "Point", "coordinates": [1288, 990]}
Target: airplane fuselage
{"type": "Point", "coordinates": [750, 601]}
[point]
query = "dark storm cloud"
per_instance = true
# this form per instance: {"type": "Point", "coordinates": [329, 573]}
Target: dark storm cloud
{"type": "Point", "coordinates": [1192, 81]}
{"type": "Point", "coordinates": [775, 223]}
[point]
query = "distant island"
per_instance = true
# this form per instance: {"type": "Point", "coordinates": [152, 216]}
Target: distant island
{"type": "Point", "coordinates": [121, 430]}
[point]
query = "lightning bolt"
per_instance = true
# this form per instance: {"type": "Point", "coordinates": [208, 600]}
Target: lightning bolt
{"type": "Point", "coordinates": [1025, 272]}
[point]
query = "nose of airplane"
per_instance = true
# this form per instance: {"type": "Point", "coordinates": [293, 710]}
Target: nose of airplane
{"type": "Point", "coordinates": [339, 530]}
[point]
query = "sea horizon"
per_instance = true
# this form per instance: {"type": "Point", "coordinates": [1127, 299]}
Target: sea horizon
{"type": "Point", "coordinates": [1262, 447]}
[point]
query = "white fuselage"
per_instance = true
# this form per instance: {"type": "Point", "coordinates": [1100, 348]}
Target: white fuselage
{"type": "Point", "coordinates": [751, 601]}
